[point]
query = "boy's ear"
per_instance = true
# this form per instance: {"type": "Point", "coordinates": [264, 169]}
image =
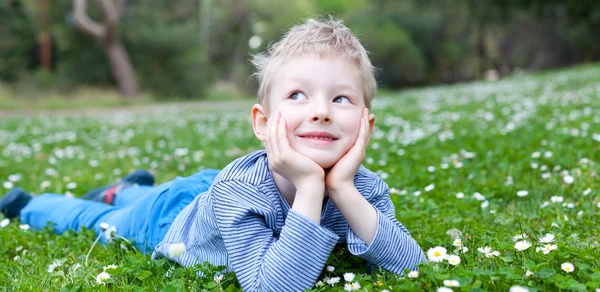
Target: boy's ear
{"type": "Point", "coordinates": [259, 121]}
{"type": "Point", "coordinates": [371, 124]}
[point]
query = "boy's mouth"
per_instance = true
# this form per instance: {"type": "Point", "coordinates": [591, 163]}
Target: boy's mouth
{"type": "Point", "coordinates": [319, 137]}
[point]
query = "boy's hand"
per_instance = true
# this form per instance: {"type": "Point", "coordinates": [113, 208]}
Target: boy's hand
{"type": "Point", "coordinates": [341, 176]}
{"type": "Point", "coordinates": [284, 160]}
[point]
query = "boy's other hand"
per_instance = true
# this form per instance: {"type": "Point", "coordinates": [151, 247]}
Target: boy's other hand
{"type": "Point", "coordinates": [284, 160]}
{"type": "Point", "coordinates": [341, 175]}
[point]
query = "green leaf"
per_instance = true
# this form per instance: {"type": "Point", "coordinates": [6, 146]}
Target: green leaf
{"type": "Point", "coordinates": [143, 275]}
{"type": "Point", "coordinates": [545, 273]}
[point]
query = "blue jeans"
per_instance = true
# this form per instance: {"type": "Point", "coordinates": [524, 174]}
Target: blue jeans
{"type": "Point", "coordinates": [140, 213]}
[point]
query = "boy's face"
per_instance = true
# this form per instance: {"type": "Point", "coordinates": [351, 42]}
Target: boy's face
{"type": "Point", "coordinates": [321, 99]}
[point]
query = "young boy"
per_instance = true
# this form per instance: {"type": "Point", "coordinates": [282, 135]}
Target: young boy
{"type": "Point", "coordinates": [272, 216]}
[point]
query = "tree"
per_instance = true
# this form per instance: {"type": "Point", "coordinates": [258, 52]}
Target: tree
{"type": "Point", "coordinates": [106, 34]}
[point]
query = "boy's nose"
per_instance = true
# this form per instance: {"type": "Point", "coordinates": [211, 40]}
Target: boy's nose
{"type": "Point", "coordinates": [321, 115]}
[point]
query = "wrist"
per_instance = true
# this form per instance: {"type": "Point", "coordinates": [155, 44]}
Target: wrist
{"type": "Point", "coordinates": [313, 183]}
{"type": "Point", "coordinates": [339, 190]}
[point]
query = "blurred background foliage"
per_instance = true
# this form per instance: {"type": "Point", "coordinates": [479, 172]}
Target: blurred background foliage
{"type": "Point", "coordinates": [190, 48]}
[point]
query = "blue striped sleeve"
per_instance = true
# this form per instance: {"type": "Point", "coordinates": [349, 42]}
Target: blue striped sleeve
{"type": "Point", "coordinates": [260, 260]}
{"type": "Point", "coordinates": [392, 247]}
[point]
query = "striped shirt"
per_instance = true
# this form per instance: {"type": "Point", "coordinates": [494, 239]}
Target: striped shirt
{"type": "Point", "coordinates": [244, 223]}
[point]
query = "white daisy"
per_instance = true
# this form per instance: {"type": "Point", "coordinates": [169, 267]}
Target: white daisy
{"type": "Point", "coordinates": [330, 268]}
{"type": "Point", "coordinates": [333, 281]}
{"type": "Point", "coordinates": [348, 277]}
{"type": "Point", "coordinates": [485, 249]}
{"type": "Point", "coordinates": [444, 289]}
{"type": "Point", "coordinates": [517, 288]}
{"type": "Point", "coordinates": [460, 195]}
{"type": "Point", "coordinates": [520, 236]}
{"type": "Point", "coordinates": [352, 286]}
{"type": "Point", "coordinates": [430, 187]}
{"type": "Point", "coordinates": [548, 238]}
{"type": "Point", "coordinates": [568, 179]}
{"type": "Point", "coordinates": [485, 204]}
{"type": "Point", "coordinates": [437, 254]}
{"type": "Point", "coordinates": [219, 278]}
{"type": "Point", "coordinates": [522, 193]}
{"type": "Point", "coordinates": [176, 249]}
{"type": "Point", "coordinates": [413, 274]}
{"type": "Point", "coordinates": [102, 277]}
{"type": "Point", "coordinates": [54, 265]}
{"type": "Point", "coordinates": [451, 283]}
{"type": "Point", "coordinates": [522, 245]}
{"type": "Point", "coordinates": [4, 222]}
{"type": "Point", "coordinates": [556, 199]}
{"type": "Point", "coordinates": [548, 248]}
{"type": "Point", "coordinates": [567, 267]}
{"type": "Point", "coordinates": [478, 196]}
{"type": "Point", "coordinates": [587, 191]}
{"type": "Point", "coordinates": [457, 242]}
{"type": "Point", "coordinates": [453, 260]}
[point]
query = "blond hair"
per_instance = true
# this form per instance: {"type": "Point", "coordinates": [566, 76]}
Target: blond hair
{"type": "Point", "coordinates": [315, 36]}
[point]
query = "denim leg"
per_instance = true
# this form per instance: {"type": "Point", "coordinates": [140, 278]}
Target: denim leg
{"type": "Point", "coordinates": [145, 221]}
{"type": "Point", "coordinates": [131, 195]}
{"type": "Point", "coordinates": [63, 213]}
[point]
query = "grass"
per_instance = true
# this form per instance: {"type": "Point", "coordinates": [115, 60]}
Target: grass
{"type": "Point", "coordinates": [455, 157]}
{"type": "Point", "coordinates": [25, 98]}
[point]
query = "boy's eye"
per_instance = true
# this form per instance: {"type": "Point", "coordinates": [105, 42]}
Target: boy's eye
{"type": "Point", "coordinates": [298, 96]}
{"type": "Point", "coordinates": [341, 99]}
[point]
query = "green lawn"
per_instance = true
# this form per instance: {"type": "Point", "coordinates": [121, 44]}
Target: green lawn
{"type": "Point", "coordinates": [480, 162]}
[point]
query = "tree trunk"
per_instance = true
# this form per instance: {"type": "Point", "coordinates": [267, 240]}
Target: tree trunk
{"type": "Point", "coordinates": [122, 68]}
{"type": "Point", "coordinates": [106, 34]}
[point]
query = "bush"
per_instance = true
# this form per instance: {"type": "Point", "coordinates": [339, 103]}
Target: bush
{"type": "Point", "coordinates": [17, 37]}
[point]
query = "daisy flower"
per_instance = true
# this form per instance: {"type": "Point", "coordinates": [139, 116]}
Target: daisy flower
{"type": "Point", "coordinates": [413, 274]}
{"type": "Point", "coordinates": [453, 260]}
{"type": "Point", "coordinates": [444, 289]}
{"type": "Point", "coordinates": [430, 187]}
{"type": "Point", "coordinates": [348, 277]}
{"type": "Point", "coordinates": [176, 249]}
{"type": "Point", "coordinates": [457, 242]}
{"type": "Point", "coordinates": [517, 288]}
{"type": "Point", "coordinates": [352, 286]}
{"type": "Point", "coordinates": [478, 196]}
{"type": "Point", "coordinates": [548, 238]}
{"type": "Point", "coordinates": [54, 265]}
{"type": "Point", "coordinates": [330, 268]}
{"type": "Point", "coordinates": [333, 281]}
{"type": "Point", "coordinates": [520, 236]}
{"type": "Point", "coordinates": [451, 283]}
{"type": "Point", "coordinates": [102, 277]}
{"type": "Point", "coordinates": [568, 179]}
{"type": "Point", "coordinates": [567, 267]}
{"type": "Point", "coordinates": [522, 245]}
{"type": "Point", "coordinates": [548, 248]}
{"type": "Point", "coordinates": [219, 278]}
{"type": "Point", "coordinates": [4, 222]}
{"type": "Point", "coordinates": [522, 193]}
{"type": "Point", "coordinates": [437, 254]}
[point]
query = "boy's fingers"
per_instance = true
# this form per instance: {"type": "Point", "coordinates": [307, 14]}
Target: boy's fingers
{"type": "Point", "coordinates": [273, 136]}
{"type": "Point", "coordinates": [268, 130]}
{"type": "Point", "coordinates": [282, 137]}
